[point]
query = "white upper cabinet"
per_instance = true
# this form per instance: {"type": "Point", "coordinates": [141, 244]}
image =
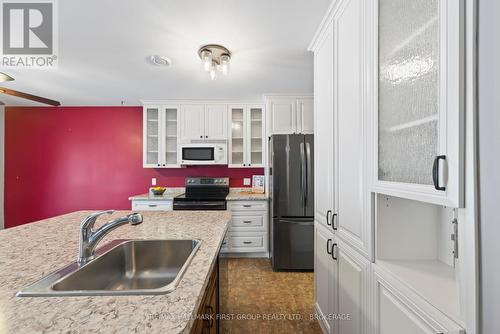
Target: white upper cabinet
{"type": "Point", "coordinates": [160, 131]}
{"type": "Point", "coordinates": [323, 138]}
{"type": "Point", "coordinates": [192, 122]}
{"type": "Point", "coordinates": [419, 154]}
{"type": "Point", "coordinates": [151, 136]}
{"type": "Point", "coordinates": [289, 114]}
{"type": "Point", "coordinates": [343, 200]}
{"type": "Point", "coordinates": [203, 121]}
{"type": "Point", "coordinates": [305, 115]}
{"type": "Point", "coordinates": [215, 121]}
{"type": "Point", "coordinates": [352, 213]}
{"type": "Point", "coordinates": [246, 136]}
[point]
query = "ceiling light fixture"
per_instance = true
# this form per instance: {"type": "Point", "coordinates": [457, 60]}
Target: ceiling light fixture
{"type": "Point", "coordinates": [215, 57]}
{"type": "Point", "coordinates": [4, 77]}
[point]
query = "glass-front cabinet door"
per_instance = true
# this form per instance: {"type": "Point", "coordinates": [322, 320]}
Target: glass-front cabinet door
{"type": "Point", "coordinates": [171, 123]}
{"type": "Point", "coordinates": [246, 140]}
{"type": "Point", "coordinates": [160, 130]}
{"type": "Point", "coordinates": [256, 136]}
{"type": "Point", "coordinates": [152, 129]}
{"type": "Point", "coordinates": [420, 104]}
{"type": "Point", "coordinates": [237, 138]}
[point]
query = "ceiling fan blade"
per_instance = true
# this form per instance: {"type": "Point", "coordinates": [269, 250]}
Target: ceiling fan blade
{"type": "Point", "coordinates": [29, 97]}
{"type": "Point", "coordinates": [5, 77]}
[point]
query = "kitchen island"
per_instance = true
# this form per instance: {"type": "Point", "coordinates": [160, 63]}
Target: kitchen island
{"type": "Point", "coordinates": [32, 251]}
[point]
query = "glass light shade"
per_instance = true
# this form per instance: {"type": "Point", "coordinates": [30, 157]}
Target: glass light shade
{"type": "Point", "coordinates": [224, 63]}
{"type": "Point", "coordinates": [213, 71]}
{"type": "Point", "coordinates": [206, 58]}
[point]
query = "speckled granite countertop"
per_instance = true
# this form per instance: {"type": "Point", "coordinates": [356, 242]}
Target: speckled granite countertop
{"type": "Point", "coordinates": [235, 194]}
{"type": "Point", "coordinates": [169, 194]}
{"type": "Point", "coordinates": [244, 194]}
{"type": "Point", "coordinates": [32, 251]}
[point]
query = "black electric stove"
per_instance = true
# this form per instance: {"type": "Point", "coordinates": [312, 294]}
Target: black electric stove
{"type": "Point", "coordinates": [203, 193]}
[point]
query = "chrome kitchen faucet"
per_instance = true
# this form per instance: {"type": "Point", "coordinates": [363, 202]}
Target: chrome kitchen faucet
{"type": "Point", "coordinates": [90, 238]}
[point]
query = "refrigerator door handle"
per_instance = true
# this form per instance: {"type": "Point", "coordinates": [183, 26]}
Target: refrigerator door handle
{"type": "Point", "coordinates": [303, 174]}
{"type": "Point", "coordinates": [308, 169]}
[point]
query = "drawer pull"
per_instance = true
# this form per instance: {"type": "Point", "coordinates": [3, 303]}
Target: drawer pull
{"type": "Point", "coordinates": [247, 222]}
{"type": "Point", "coordinates": [247, 205]}
{"type": "Point", "coordinates": [247, 242]}
{"type": "Point", "coordinates": [152, 205]}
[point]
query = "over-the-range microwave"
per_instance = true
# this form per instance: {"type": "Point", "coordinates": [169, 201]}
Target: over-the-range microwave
{"type": "Point", "coordinates": [203, 153]}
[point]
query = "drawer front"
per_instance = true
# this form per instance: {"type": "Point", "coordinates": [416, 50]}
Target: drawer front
{"type": "Point", "coordinates": [248, 242]}
{"type": "Point", "coordinates": [152, 205]}
{"type": "Point", "coordinates": [248, 223]}
{"type": "Point", "coordinates": [247, 205]}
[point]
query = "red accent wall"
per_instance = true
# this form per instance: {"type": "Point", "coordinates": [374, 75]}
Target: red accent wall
{"type": "Point", "coordinates": [59, 160]}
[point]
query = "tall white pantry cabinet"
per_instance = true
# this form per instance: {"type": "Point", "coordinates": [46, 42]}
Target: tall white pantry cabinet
{"type": "Point", "coordinates": [391, 250]}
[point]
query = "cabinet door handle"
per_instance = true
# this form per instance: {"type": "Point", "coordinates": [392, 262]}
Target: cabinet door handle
{"type": "Point", "coordinates": [435, 172]}
{"type": "Point", "coordinates": [328, 250]}
{"type": "Point", "coordinates": [201, 136]}
{"type": "Point", "coordinates": [247, 206]}
{"type": "Point", "coordinates": [328, 217]}
{"type": "Point", "coordinates": [247, 242]}
{"type": "Point", "coordinates": [334, 247]}
{"type": "Point", "coordinates": [334, 219]}
{"type": "Point", "coordinates": [247, 222]}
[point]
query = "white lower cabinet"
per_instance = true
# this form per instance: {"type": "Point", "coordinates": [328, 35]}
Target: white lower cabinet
{"type": "Point", "coordinates": [342, 285]}
{"type": "Point", "coordinates": [400, 310]}
{"type": "Point", "coordinates": [353, 276]}
{"type": "Point", "coordinates": [325, 270]}
{"type": "Point", "coordinates": [248, 232]}
{"type": "Point", "coordinates": [154, 205]}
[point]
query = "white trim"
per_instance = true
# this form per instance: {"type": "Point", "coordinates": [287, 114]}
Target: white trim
{"type": "Point", "coordinates": [201, 101]}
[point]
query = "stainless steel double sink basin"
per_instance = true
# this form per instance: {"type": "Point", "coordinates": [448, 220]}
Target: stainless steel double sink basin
{"type": "Point", "coordinates": [122, 267]}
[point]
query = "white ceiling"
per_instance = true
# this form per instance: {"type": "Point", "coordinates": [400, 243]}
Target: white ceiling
{"type": "Point", "coordinates": [104, 46]}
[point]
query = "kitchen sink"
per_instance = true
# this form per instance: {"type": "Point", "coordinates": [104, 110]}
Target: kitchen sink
{"type": "Point", "coordinates": [122, 267]}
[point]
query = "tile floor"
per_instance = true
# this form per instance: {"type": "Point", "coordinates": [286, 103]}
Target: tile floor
{"type": "Point", "coordinates": [262, 301]}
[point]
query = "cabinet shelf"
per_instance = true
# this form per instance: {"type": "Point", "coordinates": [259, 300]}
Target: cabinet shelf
{"type": "Point", "coordinates": [236, 137]}
{"type": "Point", "coordinates": [152, 120]}
{"type": "Point", "coordinates": [152, 151]}
{"type": "Point", "coordinates": [412, 124]}
{"type": "Point", "coordinates": [433, 280]}
{"type": "Point", "coordinates": [153, 136]}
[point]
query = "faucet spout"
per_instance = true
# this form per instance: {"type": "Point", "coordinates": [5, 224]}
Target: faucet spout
{"type": "Point", "coordinates": [90, 238]}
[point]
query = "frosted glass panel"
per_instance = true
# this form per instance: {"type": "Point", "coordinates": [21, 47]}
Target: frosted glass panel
{"type": "Point", "coordinates": [256, 136]}
{"type": "Point", "coordinates": [152, 140]}
{"type": "Point", "coordinates": [237, 134]}
{"type": "Point", "coordinates": [171, 136]}
{"type": "Point", "coordinates": [408, 90]}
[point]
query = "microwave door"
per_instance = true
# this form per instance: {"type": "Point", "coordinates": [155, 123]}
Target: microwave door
{"type": "Point", "coordinates": [198, 154]}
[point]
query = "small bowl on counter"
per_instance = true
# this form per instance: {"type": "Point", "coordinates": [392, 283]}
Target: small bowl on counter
{"type": "Point", "coordinates": [158, 191]}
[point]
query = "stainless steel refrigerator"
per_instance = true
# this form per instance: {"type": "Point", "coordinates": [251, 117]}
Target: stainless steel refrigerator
{"type": "Point", "coordinates": [291, 191]}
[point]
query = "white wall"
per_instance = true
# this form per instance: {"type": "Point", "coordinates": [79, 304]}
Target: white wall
{"type": "Point", "coordinates": [489, 161]}
{"type": "Point", "coordinates": [2, 164]}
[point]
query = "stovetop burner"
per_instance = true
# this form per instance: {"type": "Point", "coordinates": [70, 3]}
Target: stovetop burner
{"type": "Point", "coordinates": [203, 193]}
